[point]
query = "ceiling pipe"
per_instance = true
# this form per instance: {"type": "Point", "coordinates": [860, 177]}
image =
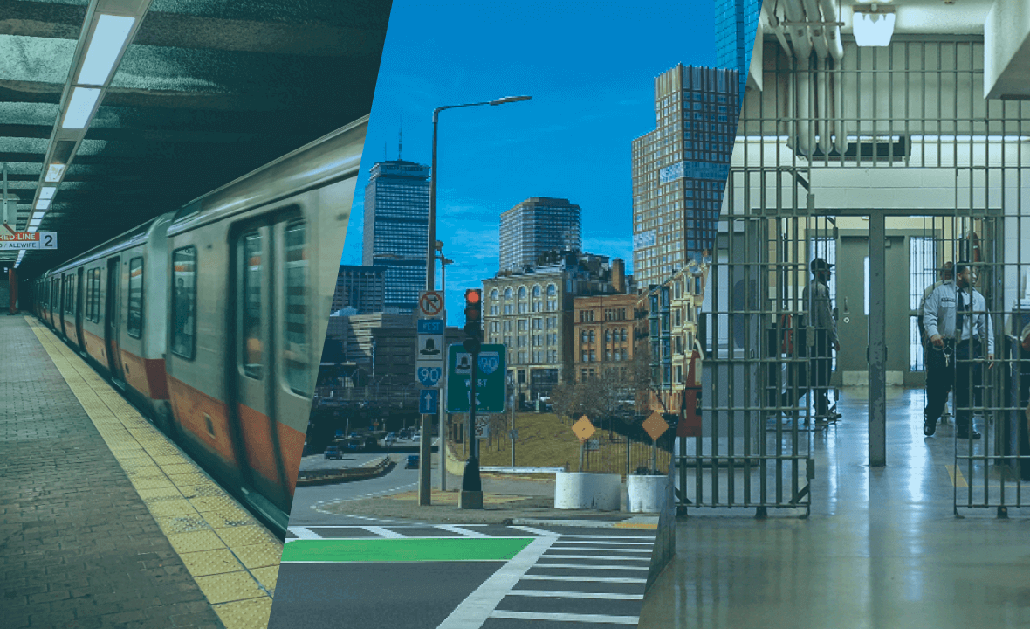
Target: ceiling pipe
{"type": "Point", "coordinates": [818, 30]}
{"type": "Point", "coordinates": [824, 116]}
{"type": "Point", "coordinates": [836, 48]}
{"type": "Point", "coordinates": [799, 35]}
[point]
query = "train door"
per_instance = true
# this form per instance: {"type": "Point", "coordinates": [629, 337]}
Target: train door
{"type": "Point", "coordinates": [80, 299]}
{"type": "Point", "coordinates": [111, 320]}
{"type": "Point", "coordinates": [67, 304]}
{"type": "Point", "coordinates": [294, 345]}
{"type": "Point", "coordinates": [255, 391]}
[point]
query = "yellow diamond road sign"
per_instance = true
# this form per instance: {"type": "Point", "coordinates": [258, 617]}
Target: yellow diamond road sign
{"type": "Point", "coordinates": [583, 428]}
{"type": "Point", "coordinates": [655, 425]}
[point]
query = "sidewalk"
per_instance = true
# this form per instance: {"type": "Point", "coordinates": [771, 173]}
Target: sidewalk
{"type": "Point", "coordinates": [506, 500]}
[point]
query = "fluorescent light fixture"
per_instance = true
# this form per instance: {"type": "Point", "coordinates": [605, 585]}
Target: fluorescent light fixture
{"type": "Point", "coordinates": [42, 204]}
{"type": "Point", "coordinates": [54, 173]}
{"type": "Point", "coordinates": [35, 222]}
{"type": "Point", "coordinates": [21, 254]}
{"type": "Point", "coordinates": [102, 51]}
{"type": "Point", "coordinates": [80, 106]}
{"type": "Point", "coordinates": [873, 24]}
{"type": "Point", "coordinates": [47, 192]}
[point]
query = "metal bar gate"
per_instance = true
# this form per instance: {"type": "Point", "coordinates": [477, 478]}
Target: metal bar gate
{"type": "Point", "coordinates": [930, 173]}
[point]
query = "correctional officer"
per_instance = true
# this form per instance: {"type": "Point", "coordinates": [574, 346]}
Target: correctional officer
{"type": "Point", "coordinates": [957, 323]}
{"type": "Point", "coordinates": [943, 275]}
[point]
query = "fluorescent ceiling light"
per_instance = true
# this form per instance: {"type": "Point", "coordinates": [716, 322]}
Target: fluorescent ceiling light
{"type": "Point", "coordinates": [38, 215]}
{"type": "Point", "coordinates": [35, 222]}
{"type": "Point", "coordinates": [102, 51]}
{"type": "Point", "coordinates": [42, 204]}
{"type": "Point", "coordinates": [873, 27]}
{"type": "Point", "coordinates": [53, 174]}
{"type": "Point", "coordinates": [47, 192]}
{"type": "Point", "coordinates": [80, 106]}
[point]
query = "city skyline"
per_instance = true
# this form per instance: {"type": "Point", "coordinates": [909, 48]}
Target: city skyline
{"type": "Point", "coordinates": [590, 99]}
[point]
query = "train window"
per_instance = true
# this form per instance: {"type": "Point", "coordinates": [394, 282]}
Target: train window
{"type": "Point", "coordinates": [134, 321]}
{"type": "Point", "coordinates": [96, 294]}
{"type": "Point", "coordinates": [296, 346]}
{"type": "Point", "coordinates": [89, 295]}
{"type": "Point", "coordinates": [92, 294]}
{"type": "Point", "coordinates": [252, 271]}
{"type": "Point", "coordinates": [69, 294]}
{"type": "Point", "coordinates": [184, 302]}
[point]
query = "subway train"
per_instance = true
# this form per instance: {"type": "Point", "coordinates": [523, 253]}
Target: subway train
{"type": "Point", "coordinates": [211, 319]}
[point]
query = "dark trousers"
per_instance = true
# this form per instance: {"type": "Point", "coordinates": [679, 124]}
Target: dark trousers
{"type": "Point", "coordinates": [957, 374]}
{"type": "Point", "coordinates": [811, 376]}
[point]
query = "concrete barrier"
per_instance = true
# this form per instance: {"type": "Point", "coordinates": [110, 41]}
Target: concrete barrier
{"type": "Point", "coordinates": [587, 490]}
{"type": "Point", "coordinates": [343, 475]}
{"type": "Point", "coordinates": [646, 494]}
{"type": "Point", "coordinates": [523, 470]}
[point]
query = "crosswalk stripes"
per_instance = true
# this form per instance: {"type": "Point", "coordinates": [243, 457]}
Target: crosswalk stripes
{"type": "Point", "coordinates": [405, 531]}
{"type": "Point", "coordinates": [580, 581]}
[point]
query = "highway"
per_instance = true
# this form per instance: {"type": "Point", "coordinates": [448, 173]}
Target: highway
{"type": "Point", "coordinates": [307, 500]}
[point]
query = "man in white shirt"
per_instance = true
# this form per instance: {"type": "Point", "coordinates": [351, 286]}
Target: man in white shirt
{"type": "Point", "coordinates": [944, 275]}
{"type": "Point", "coordinates": [957, 324]}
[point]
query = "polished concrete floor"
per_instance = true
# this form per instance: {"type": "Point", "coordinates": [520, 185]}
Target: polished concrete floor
{"type": "Point", "coordinates": [882, 547]}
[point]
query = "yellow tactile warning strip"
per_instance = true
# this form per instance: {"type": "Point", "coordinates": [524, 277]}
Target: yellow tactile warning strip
{"type": "Point", "coordinates": [232, 558]}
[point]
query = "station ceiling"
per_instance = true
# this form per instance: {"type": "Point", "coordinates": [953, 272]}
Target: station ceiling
{"type": "Point", "coordinates": [205, 92]}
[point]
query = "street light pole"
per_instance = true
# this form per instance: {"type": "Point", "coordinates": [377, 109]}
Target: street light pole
{"type": "Point", "coordinates": [424, 478]}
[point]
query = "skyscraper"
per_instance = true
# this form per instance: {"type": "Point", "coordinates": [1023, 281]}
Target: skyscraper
{"type": "Point", "coordinates": [680, 170]}
{"type": "Point", "coordinates": [536, 226]}
{"type": "Point", "coordinates": [735, 24]}
{"type": "Point", "coordinates": [362, 288]}
{"type": "Point", "coordinates": [397, 230]}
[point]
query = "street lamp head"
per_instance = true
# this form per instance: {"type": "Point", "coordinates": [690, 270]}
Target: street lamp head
{"type": "Point", "coordinates": [439, 245]}
{"type": "Point", "coordinates": [510, 99]}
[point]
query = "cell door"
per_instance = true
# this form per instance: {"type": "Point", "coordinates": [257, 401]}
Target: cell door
{"type": "Point", "coordinates": [853, 301]}
{"type": "Point", "coordinates": [112, 320]}
{"type": "Point", "coordinates": [255, 361]}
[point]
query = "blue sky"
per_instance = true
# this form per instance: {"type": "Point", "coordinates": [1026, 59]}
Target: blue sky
{"type": "Point", "coordinates": [590, 68]}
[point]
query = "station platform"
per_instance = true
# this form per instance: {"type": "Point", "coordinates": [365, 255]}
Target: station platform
{"type": "Point", "coordinates": [105, 522]}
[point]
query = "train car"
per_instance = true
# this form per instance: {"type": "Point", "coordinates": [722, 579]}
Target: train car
{"type": "Point", "coordinates": [254, 266]}
{"type": "Point", "coordinates": [211, 318]}
{"type": "Point", "coordinates": [123, 299]}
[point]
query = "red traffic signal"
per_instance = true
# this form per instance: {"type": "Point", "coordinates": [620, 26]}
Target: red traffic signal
{"type": "Point", "coordinates": [473, 319]}
{"type": "Point", "coordinates": [473, 306]}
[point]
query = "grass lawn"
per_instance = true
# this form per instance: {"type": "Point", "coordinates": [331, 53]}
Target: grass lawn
{"type": "Point", "coordinates": [545, 440]}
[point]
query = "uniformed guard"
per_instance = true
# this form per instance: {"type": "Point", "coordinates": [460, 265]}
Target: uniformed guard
{"type": "Point", "coordinates": [957, 324]}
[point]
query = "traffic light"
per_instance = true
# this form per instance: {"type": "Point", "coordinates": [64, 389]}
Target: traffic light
{"type": "Point", "coordinates": [473, 320]}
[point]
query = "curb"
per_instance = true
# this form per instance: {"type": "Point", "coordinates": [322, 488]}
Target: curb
{"type": "Point", "coordinates": [344, 475]}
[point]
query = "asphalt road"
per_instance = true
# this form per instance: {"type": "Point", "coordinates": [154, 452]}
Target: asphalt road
{"type": "Point", "coordinates": [306, 500]}
{"type": "Point", "coordinates": [373, 594]}
{"type": "Point", "coordinates": [585, 577]}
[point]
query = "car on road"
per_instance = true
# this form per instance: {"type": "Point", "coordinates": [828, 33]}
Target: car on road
{"type": "Point", "coordinates": [412, 462]}
{"type": "Point", "coordinates": [333, 452]}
